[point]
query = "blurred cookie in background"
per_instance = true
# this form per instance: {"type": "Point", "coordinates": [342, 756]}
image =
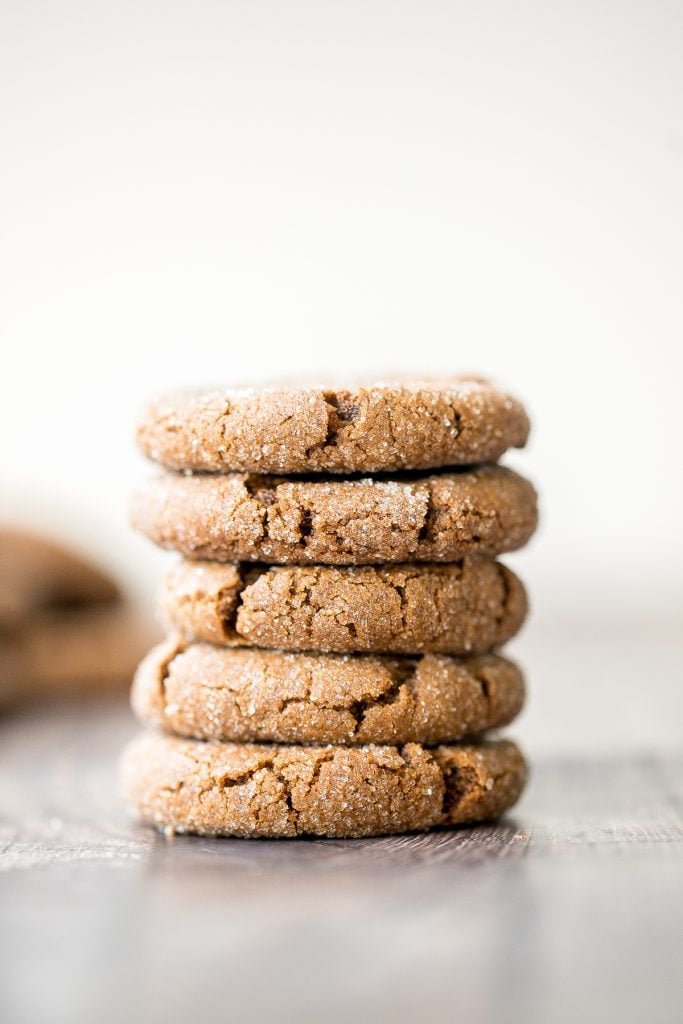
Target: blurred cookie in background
{"type": "Point", "coordinates": [37, 574]}
{"type": "Point", "coordinates": [65, 626]}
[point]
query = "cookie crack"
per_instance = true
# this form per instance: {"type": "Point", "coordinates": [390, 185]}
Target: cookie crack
{"type": "Point", "coordinates": [403, 609]}
{"type": "Point", "coordinates": [460, 782]}
{"type": "Point", "coordinates": [305, 526]}
{"type": "Point", "coordinates": [229, 600]}
{"type": "Point", "coordinates": [164, 670]}
{"type": "Point", "coordinates": [393, 769]}
{"type": "Point", "coordinates": [225, 782]}
{"type": "Point", "coordinates": [480, 677]}
{"type": "Point", "coordinates": [399, 673]}
{"type": "Point", "coordinates": [506, 599]}
{"type": "Point", "coordinates": [456, 425]}
{"type": "Point", "coordinates": [262, 489]}
{"type": "Point", "coordinates": [292, 812]}
{"type": "Point", "coordinates": [341, 411]}
{"type": "Point", "coordinates": [359, 709]}
{"type": "Point", "coordinates": [464, 784]}
{"type": "Point", "coordinates": [424, 534]}
{"type": "Point", "coordinates": [390, 427]}
{"type": "Point", "coordinates": [325, 758]}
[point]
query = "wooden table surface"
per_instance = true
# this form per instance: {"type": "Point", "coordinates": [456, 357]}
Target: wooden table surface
{"type": "Point", "coordinates": [568, 911]}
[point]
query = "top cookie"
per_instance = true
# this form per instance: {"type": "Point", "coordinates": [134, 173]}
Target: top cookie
{"type": "Point", "coordinates": [379, 428]}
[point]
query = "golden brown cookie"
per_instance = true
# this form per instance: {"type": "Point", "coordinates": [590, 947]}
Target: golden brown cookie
{"type": "Point", "coordinates": [247, 694]}
{"type": "Point", "coordinates": [67, 652]}
{"type": "Point", "coordinates": [466, 607]}
{"type": "Point", "coordinates": [240, 517]}
{"type": "Point", "coordinates": [300, 430]}
{"type": "Point", "coordinates": [253, 790]}
{"type": "Point", "coordinates": [9, 669]}
{"type": "Point", "coordinates": [36, 574]}
{"type": "Point", "coordinates": [65, 628]}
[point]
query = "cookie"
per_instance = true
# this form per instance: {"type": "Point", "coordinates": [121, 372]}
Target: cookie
{"type": "Point", "coordinates": [246, 694]}
{"type": "Point", "coordinates": [466, 607]}
{"type": "Point", "coordinates": [36, 574]}
{"type": "Point", "coordinates": [383, 427]}
{"type": "Point", "coordinates": [65, 628]}
{"type": "Point", "coordinates": [238, 517]}
{"type": "Point", "coordinates": [79, 651]}
{"type": "Point", "coordinates": [274, 791]}
{"type": "Point", "coordinates": [9, 669]}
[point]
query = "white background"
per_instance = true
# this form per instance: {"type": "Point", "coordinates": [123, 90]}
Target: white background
{"type": "Point", "coordinates": [227, 192]}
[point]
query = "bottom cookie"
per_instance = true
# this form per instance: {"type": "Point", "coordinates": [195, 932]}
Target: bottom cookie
{"type": "Point", "coordinates": [273, 791]}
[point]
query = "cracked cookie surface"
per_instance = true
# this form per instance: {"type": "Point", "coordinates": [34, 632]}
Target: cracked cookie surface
{"type": "Point", "coordinates": [466, 607]}
{"type": "Point", "coordinates": [378, 428]}
{"type": "Point", "coordinates": [272, 791]}
{"type": "Point", "coordinates": [242, 517]}
{"type": "Point", "coordinates": [246, 694]}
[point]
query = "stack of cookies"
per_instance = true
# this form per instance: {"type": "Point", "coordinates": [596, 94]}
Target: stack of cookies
{"type": "Point", "coordinates": [333, 665]}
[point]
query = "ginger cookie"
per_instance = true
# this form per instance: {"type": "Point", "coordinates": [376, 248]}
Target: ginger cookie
{"type": "Point", "coordinates": [273, 791]}
{"type": "Point", "coordinates": [37, 574]}
{"type": "Point", "coordinates": [246, 694]}
{"type": "Point", "coordinates": [10, 672]}
{"type": "Point", "coordinates": [79, 652]}
{"type": "Point", "coordinates": [383, 427]}
{"type": "Point", "coordinates": [466, 607]}
{"type": "Point", "coordinates": [65, 628]}
{"type": "Point", "coordinates": [240, 517]}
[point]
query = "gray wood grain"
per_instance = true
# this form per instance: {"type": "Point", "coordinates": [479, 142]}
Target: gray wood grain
{"type": "Point", "coordinates": [569, 909]}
